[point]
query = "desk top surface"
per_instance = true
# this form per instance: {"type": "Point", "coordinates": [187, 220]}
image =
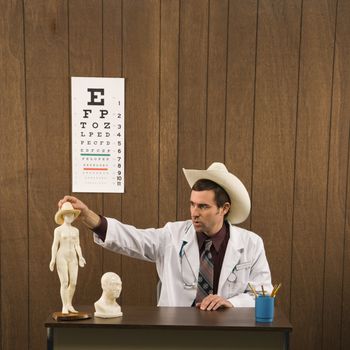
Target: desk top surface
{"type": "Point", "coordinates": [179, 318]}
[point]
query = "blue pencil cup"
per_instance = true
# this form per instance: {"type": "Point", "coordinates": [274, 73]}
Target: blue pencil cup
{"type": "Point", "coordinates": [264, 308]}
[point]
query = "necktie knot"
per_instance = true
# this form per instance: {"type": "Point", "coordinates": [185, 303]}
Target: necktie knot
{"type": "Point", "coordinates": [206, 251]}
{"type": "Point", "coordinates": [208, 244]}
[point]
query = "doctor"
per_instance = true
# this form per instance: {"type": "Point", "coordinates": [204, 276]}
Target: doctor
{"type": "Point", "coordinates": [206, 261]}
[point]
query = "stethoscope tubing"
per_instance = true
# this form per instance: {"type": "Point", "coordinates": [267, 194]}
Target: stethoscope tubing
{"type": "Point", "coordinates": [186, 284]}
{"type": "Point", "coordinates": [182, 253]}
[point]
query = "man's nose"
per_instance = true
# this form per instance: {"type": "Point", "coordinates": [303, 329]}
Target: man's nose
{"type": "Point", "coordinates": [194, 211]}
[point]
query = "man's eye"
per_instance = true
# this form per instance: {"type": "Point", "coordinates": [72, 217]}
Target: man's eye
{"type": "Point", "coordinates": [203, 206]}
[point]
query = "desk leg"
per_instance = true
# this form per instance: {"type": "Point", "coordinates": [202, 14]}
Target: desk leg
{"type": "Point", "coordinates": [286, 341]}
{"type": "Point", "coordinates": [50, 331]}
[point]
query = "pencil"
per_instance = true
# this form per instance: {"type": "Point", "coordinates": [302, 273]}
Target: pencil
{"type": "Point", "coordinates": [253, 290]}
{"type": "Point", "coordinates": [274, 292]}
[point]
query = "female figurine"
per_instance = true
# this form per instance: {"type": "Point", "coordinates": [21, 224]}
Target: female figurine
{"type": "Point", "coordinates": [64, 251]}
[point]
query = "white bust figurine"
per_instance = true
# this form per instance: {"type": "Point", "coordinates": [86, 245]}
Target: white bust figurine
{"type": "Point", "coordinates": [65, 252]}
{"type": "Point", "coordinates": [106, 306]}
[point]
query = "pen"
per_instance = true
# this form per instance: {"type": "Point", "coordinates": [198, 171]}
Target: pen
{"type": "Point", "coordinates": [263, 290]}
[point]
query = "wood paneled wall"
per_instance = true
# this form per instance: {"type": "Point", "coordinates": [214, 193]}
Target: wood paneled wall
{"type": "Point", "coordinates": [262, 85]}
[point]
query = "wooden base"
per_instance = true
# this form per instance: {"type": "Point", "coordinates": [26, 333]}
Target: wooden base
{"type": "Point", "coordinates": [59, 316]}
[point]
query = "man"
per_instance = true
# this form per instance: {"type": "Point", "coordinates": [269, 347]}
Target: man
{"type": "Point", "coordinates": [206, 261]}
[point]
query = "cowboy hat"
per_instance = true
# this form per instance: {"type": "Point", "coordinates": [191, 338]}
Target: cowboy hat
{"type": "Point", "coordinates": [66, 208]}
{"type": "Point", "coordinates": [218, 173]}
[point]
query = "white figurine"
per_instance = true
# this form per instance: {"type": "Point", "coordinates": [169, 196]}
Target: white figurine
{"type": "Point", "coordinates": [65, 248]}
{"type": "Point", "coordinates": [106, 306]}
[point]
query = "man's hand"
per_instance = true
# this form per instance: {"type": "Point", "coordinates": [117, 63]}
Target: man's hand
{"type": "Point", "coordinates": [87, 216]}
{"type": "Point", "coordinates": [76, 203]}
{"type": "Point", "coordinates": [213, 302]}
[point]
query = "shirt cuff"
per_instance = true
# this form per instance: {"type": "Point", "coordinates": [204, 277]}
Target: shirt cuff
{"type": "Point", "coordinates": [101, 229]}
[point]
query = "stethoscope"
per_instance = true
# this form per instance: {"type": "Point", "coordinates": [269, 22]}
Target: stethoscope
{"type": "Point", "coordinates": [182, 255]}
{"type": "Point", "coordinates": [193, 284]}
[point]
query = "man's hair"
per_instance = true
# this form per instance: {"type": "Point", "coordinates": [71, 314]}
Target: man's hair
{"type": "Point", "coordinates": [221, 196]}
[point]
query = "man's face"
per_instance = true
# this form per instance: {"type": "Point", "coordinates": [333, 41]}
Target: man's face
{"type": "Point", "coordinates": [206, 216]}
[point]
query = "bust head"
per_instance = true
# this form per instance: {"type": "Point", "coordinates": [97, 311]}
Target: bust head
{"type": "Point", "coordinates": [106, 306]}
{"type": "Point", "coordinates": [111, 285]}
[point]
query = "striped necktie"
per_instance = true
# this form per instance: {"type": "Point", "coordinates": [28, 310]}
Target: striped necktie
{"type": "Point", "coordinates": [206, 273]}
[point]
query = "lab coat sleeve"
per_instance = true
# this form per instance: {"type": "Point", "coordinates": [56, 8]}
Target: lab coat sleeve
{"type": "Point", "coordinates": [143, 244]}
{"type": "Point", "coordinates": [259, 275]}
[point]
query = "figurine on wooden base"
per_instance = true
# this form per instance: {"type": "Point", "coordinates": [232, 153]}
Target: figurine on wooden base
{"type": "Point", "coordinates": [106, 306]}
{"type": "Point", "coordinates": [66, 253]}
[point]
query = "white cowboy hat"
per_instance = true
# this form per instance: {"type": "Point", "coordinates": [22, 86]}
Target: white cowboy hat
{"type": "Point", "coordinates": [218, 173]}
{"type": "Point", "coordinates": [66, 208]}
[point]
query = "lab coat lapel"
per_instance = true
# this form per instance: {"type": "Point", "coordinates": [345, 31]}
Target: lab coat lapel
{"type": "Point", "coordinates": [191, 250]}
{"type": "Point", "coordinates": [232, 256]}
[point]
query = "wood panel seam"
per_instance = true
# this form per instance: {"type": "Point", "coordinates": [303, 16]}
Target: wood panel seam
{"type": "Point", "coordinates": [295, 159]}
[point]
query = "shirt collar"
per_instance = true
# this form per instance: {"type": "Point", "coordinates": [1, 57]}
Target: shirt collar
{"type": "Point", "coordinates": [217, 239]}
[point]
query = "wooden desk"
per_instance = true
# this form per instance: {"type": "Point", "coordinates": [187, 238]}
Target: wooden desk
{"type": "Point", "coordinates": [170, 328]}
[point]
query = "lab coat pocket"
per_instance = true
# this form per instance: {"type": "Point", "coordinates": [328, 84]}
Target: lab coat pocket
{"type": "Point", "coordinates": [243, 265]}
{"type": "Point", "coordinates": [238, 279]}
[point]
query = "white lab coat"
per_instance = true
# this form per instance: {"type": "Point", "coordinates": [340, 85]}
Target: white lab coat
{"type": "Point", "coordinates": [174, 250]}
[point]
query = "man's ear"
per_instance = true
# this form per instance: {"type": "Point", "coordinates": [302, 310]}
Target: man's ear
{"type": "Point", "coordinates": [226, 207]}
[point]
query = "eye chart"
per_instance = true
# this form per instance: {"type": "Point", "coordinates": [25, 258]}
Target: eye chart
{"type": "Point", "coordinates": [98, 135]}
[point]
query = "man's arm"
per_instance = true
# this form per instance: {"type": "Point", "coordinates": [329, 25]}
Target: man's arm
{"type": "Point", "coordinates": [87, 216]}
{"type": "Point", "coordinates": [123, 239]}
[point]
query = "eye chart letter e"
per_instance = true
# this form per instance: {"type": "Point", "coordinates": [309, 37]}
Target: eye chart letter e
{"type": "Point", "coordinates": [98, 134]}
